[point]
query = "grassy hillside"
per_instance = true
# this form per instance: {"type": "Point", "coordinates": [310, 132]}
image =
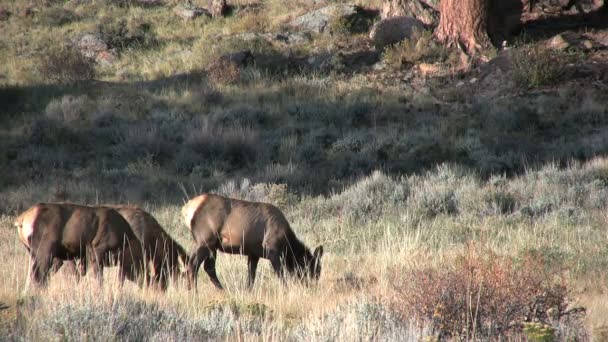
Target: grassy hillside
{"type": "Point", "coordinates": [461, 194]}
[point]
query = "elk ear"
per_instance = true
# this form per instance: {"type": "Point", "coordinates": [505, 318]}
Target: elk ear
{"type": "Point", "coordinates": [318, 253]}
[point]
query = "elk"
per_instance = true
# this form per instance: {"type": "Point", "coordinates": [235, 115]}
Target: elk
{"type": "Point", "coordinates": [164, 256]}
{"type": "Point", "coordinates": [97, 236]}
{"type": "Point", "coordinates": [257, 230]}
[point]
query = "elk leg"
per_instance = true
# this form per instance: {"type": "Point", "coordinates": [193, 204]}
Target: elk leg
{"type": "Point", "coordinates": [277, 265]}
{"type": "Point", "coordinates": [95, 260]}
{"type": "Point", "coordinates": [129, 269]}
{"type": "Point", "coordinates": [195, 263]}
{"type": "Point", "coordinates": [40, 270]}
{"type": "Point", "coordinates": [252, 263]}
{"type": "Point", "coordinates": [57, 263]}
{"type": "Point", "coordinates": [209, 265]}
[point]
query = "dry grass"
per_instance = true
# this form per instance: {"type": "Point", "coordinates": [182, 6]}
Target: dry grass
{"type": "Point", "coordinates": [518, 260]}
{"type": "Point", "coordinates": [155, 130]}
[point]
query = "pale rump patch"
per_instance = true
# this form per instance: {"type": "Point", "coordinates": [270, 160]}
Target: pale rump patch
{"type": "Point", "coordinates": [191, 207]}
{"type": "Point", "coordinates": [25, 224]}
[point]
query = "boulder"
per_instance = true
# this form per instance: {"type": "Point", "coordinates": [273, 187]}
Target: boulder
{"type": "Point", "coordinates": [393, 30]}
{"type": "Point", "coordinates": [106, 57]}
{"type": "Point", "coordinates": [427, 11]}
{"type": "Point", "coordinates": [318, 21]}
{"type": "Point", "coordinates": [189, 12]}
{"type": "Point", "coordinates": [91, 44]}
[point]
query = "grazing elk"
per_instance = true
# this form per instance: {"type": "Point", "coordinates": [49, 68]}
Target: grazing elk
{"type": "Point", "coordinates": [257, 230]}
{"type": "Point", "coordinates": [165, 257]}
{"type": "Point", "coordinates": [97, 236]}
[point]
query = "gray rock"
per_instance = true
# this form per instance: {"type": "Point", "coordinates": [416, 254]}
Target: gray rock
{"type": "Point", "coordinates": [189, 12]}
{"type": "Point", "coordinates": [427, 11]}
{"type": "Point", "coordinates": [393, 30]}
{"type": "Point", "coordinates": [90, 45]}
{"type": "Point", "coordinates": [318, 21]}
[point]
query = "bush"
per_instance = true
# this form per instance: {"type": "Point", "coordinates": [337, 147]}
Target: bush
{"type": "Point", "coordinates": [537, 66]}
{"type": "Point", "coordinates": [235, 146]}
{"type": "Point", "coordinates": [483, 294]}
{"type": "Point", "coordinates": [122, 35]}
{"type": "Point", "coordinates": [65, 65]}
{"type": "Point", "coordinates": [224, 72]}
{"type": "Point", "coordinates": [69, 108]}
{"type": "Point", "coordinates": [57, 16]}
{"type": "Point", "coordinates": [421, 47]}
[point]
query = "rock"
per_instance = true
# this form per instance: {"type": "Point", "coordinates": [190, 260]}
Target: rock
{"type": "Point", "coordinates": [427, 11]}
{"type": "Point", "coordinates": [558, 42]}
{"type": "Point", "coordinates": [91, 44]}
{"type": "Point", "coordinates": [4, 14]}
{"type": "Point", "coordinates": [587, 44]}
{"type": "Point", "coordinates": [393, 30]}
{"type": "Point", "coordinates": [217, 8]}
{"type": "Point", "coordinates": [318, 21]}
{"type": "Point", "coordinates": [189, 12]}
{"type": "Point", "coordinates": [106, 57]}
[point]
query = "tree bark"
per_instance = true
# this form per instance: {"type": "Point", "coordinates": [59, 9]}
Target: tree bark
{"type": "Point", "coordinates": [465, 22]}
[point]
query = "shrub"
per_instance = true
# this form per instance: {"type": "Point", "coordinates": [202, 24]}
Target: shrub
{"type": "Point", "coordinates": [122, 35]}
{"type": "Point", "coordinates": [224, 72]}
{"type": "Point", "coordinates": [359, 22]}
{"type": "Point", "coordinates": [371, 196]}
{"type": "Point", "coordinates": [69, 108]}
{"type": "Point", "coordinates": [421, 47]}
{"type": "Point", "coordinates": [500, 201]}
{"type": "Point", "coordinates": [537, 66]}
{"type": "Point", "coordinates": [65, 65]}
{"type": "Point", "coordinates": [483, 295]}
{"type": "Point", "coordinates": [57, 16]}
{"type": "Point", "coordinates": [235, 146]}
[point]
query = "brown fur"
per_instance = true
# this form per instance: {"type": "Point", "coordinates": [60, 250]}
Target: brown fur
{"type": "Point", "coordinates": [257, 230]}
{"type": "Point", "coordinates": [97, 236]}
{"type": "Point", "coordinates": [163, 254]}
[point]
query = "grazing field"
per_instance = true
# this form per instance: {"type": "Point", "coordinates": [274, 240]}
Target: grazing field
{"type": "Point", "coordinates": [449, 208]}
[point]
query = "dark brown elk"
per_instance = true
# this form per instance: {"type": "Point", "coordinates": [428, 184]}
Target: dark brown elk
{"type": "Point", "coordinates": [257, 230]}
{"type": "Point", "coordinates": [166, 259]}
{"type": "Point", "coordinates": [97, 236]}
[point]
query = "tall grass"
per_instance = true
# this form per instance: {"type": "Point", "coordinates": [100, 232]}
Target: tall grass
{"type": "Point", "coordinates": [374, 232]}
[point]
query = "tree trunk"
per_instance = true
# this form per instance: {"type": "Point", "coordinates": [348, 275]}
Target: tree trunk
{"type": "Point", "coordinates": [465, 22]}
